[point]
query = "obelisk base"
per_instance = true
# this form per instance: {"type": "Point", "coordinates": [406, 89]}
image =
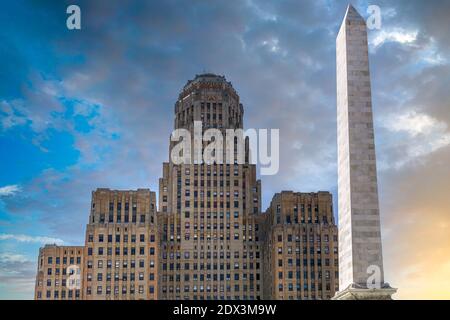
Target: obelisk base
{"type": "Point", "coordinates": [354, 292]}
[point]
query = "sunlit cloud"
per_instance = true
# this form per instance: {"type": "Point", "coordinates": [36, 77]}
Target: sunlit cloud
{"type": "Point", "coordinates": [9, 190]}
{"type": "Point", "coordinates": [396, 35]}
{"type": "Point", "coordinates": [424, 135]}
{"type": "Point", "coordinates": [414, 123]}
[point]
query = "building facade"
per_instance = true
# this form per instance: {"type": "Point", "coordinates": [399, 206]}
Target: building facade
{"type": "Point", "coordinates": [209, 240]}
{"type": "Point", "coordinates": [121, 258]}
{"type": "Point", "coordinates": [300, 247]}
{"type": "Point", "coordinates": [59, 273]}
{"type": "Point", "coordinates": [210, 243]}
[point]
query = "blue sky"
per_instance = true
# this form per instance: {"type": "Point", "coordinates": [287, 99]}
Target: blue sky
{"type": "Point", "coordinates": [94, 108]}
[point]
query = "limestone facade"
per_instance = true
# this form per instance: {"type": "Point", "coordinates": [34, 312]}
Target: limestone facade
{"type": "Point", "coordinates": [59, 273]}
{"type": "Point", "coordinates": [209, 227]}
{"type": "Point", "coordinates": [300, 247]}
{"type": "Point", "coordinates": [359, 219]}
{"type": "Point", "coordinates": [209, 240]}
{"type": "Point", "coordinates": [121, 259]}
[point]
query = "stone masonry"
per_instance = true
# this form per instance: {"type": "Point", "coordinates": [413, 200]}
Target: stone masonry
{"type": "Point", "coordinates": [360, 252]}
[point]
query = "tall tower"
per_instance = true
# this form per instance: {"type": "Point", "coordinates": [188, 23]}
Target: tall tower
{"type": "Point", "coordinates": [209, 212]}
{"type": "Point", "coordinates": [360, 254]}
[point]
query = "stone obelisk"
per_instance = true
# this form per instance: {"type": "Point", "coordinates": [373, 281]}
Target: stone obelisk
{"type": "Point", "coordinates": [360, 256]}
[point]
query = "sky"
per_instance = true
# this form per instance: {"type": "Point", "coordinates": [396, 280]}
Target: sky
{"type": "Point", "coordinates": [89, 108]}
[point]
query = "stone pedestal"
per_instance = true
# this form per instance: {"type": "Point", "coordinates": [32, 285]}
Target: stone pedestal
{"type": "Point", "coordinates": [359, 293]}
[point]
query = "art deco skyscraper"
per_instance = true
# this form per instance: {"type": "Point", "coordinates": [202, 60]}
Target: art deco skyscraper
{"type": "Point", "coordinates": [360, 252]}
{"type": "Point", "coordinates": [209, 237]}
{"type": "Point", "coordinates": [209, 212]}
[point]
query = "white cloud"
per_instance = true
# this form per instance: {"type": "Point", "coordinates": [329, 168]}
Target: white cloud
{"type": "Point", "coordinates": [9, 190]}
{"type": "Point", "coordinates": [395, 35]}
{"type": "Point", "coordinates": [83, 108]}
{"type": "Point", "coordinates": [39, 106]}
{"type": "Point", "coordinates": [272, 44]}
{"type": "Point", "coordinates": [32, 239]}
{"type": "Point", "coordinates": [424, 135]}
{"type": "Point", "coordinates": [414, 123]}
{"type": "Point", "coordinates": [13, 258]}
{"type": "Point", "coordinates": [389, 13]}
{"type": "Point", "coordinates": [10, 116]}
{"type": "Point", "coordinates": [432, 55]}
{"type": "Point", "coordinates": [260, 12]}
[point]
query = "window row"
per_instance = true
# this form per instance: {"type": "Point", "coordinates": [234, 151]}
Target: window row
{"type": "Point", "coordinates": [117, 251]}
{"type": "Point", "coordinates": [117, 238]}
{"type": "Point", "coordinates": [312, 287]}
{"type": "Point", "coordinates": [209, 237]}
{"type": "Point", "coordinates": [312, 250]}
{"type": "Point", "coordinates": [211, 277]}
{"type": "Point", "coordinates": [66, 270]}
{"type": "Point", "coordinates": [64, 260]}
{"type": "Point", "coordinates": [125, 276]}
{"type": "Point", "coordinates": [209, 266]}
{"type": "Point", "coordinates": [312, 262]}
{"type": "Point", "coordinates": [209, 255]}
{"type": "Point", "coordinates": [307, 275]}
{"type": "Point", "coordinates": [73, 283]}
{"type": "Point", "coordinates": [222, 288]}
{"type": "Point", "coordinates": [124, 290]}
{"type": "Point", "coordinates": [60, 294]}
{"type": "Point", "coordinates": [117, 264]}
{"type": "Point", "coordinates": [317, 237]}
